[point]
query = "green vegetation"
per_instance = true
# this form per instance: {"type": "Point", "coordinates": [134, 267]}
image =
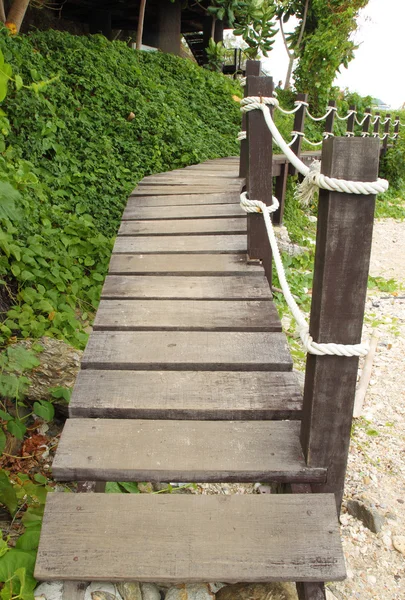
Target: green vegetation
{"type": "Point", "coordinates": [72, 157]}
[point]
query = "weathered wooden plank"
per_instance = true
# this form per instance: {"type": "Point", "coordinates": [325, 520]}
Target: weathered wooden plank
{"type": "Point", "coordinates": [192, 179]}
{"type": "Point", "coordinates": [184, 227]}
{"type": "Point", "coordinates": [133, 212]}
{"type": "Point", "coordinates": [73, 590]}
{"type": "Point", "coordinates": [196, 244]}
{"type": "Point", "coordinates": [147, 450]}
{"type": "Point", "coordinates": [223, 265]}
{"type": "Point", "coordinates": [154, 287]}
{"type": "Point", "coordinates": [190, 199]}
{"type": "Point", "coordinates": [186, 537]}
{"type": "Point", "coordinates": [201, 395]}
{"type": "Point", "coordinates": [187, 350]}
{"type": "Point", "coordinates": [158, 190]}
{"type": "Point", "coordinates": [187, 315]}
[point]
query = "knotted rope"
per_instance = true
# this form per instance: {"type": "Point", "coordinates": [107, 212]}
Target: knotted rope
{"type": "Point", "coordinates": [313, 179]}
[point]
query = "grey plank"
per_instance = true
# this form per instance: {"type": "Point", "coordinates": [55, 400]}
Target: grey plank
{"type": "Point", "coordinates": [157, 190]}
{"type": "Point", "coordinates": [191, 179]}
{"type": "Point", "coordinates": [187, 350]}
{"type": "Point", "coordinates": [73, 590]}
{"type": "Point", "coordinates": [223, 265]}
{"type": "Point", "coordinates": [204, 211]}
{"type": "Point", "coordinates": [224, 226]}
{"type": "Point", "coordinates": [196, 244]}
{"type": "Point", "coordinates": [191, 199]}
{"type": "Point", "coordinates": [154, 287]}
{"type": "Point", "coordinates": [190, 538]}
{"type": "Point", "coordinates": [201, 395]}
{"type": "Point", "coordinates": [148, 450]}
{"type": "Point", "coordinates": [187, 315]}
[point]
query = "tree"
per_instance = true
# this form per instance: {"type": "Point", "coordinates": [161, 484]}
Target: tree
{"type": "Point", "coordinates": [16, 13]}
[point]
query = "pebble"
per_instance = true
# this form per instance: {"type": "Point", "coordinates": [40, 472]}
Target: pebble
{"type": "Point", "coordinates": [369, 516]}
{"type": "Point", "coordinates": [130, 591]}
{"type": "Point", "coordinates": [190, 591]}
{"type": "Point", "coordinates": [150, 591]}
{"type": "Point", "coordinates": [398, 541]}
{"type": "Point", "coordinates": [103, 596]}
{"type": "Point", "coordinates": [49, 591]}
{"type": "Point", "coordinates": [258, 591]}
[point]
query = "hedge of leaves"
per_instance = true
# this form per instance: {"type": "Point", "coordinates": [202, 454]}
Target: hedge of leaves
{"type": "Point", "coordinates": [71, 154]}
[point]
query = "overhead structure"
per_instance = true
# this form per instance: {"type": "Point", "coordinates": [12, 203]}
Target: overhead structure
{"type": "Point", "coordinates": [165, 22]}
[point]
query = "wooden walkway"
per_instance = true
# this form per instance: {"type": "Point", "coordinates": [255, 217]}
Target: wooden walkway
{"type": "Point", "coordinates": [187, 376]}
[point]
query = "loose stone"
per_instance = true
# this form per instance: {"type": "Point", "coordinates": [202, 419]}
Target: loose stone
{"type": "Point", "coordinates": [258, 591]}
{"type": "Point", "coordinates": [398, 541]}
{"type": "Point", "coordinates": [130, 591]}
{"type": "Point", "coordinates": [192, 591]}
{"type": "Point", "coordinates": [370, 517]}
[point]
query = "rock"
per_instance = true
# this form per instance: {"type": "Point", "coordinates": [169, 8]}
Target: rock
{"type": "Point", "coordinates": [97, 587]}
{"type": "Point", "coordinates": [190, 591]}
{"type": "Point", "coordinates": [130, 591]}
{"type": "Point", "coordinates": [49, 591]}
{"type": "Point", "coordinates": [284, 242]}
{"type": "Point", "coordinates": [398, 541]}
{"type": "Point", "coordinates": [150, 591]}
{"type": "Point", "coordinates": [370, 517]}
{"type": "Point", "coordinates": [59, 367]}
{"type": "Point", "coordinates": [103, 596]}
{"type": "Point", "coordinates": [258, 591]}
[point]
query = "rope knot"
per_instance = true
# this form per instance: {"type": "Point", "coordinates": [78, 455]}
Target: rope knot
{"type": "Point", "coordinates": [305, 191]}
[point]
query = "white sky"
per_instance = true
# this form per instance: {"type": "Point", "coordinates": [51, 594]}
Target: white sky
{"type": "Point", "coordinates": [377, 69]}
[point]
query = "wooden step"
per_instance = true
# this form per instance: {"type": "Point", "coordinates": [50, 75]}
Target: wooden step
{"type": "Point", "coordinates": [201, 395]}
{"type": "Point", "coordinates": [187, 315]}
{"type": "Point", "coordinates": [190, 199]}
{"type": "Point", "coordinates": [226, 226]}
{"type": "Point", "coordinates": [176, 189]}
{"type": "Point", "coordinates": [221, 265]}
{"type": "Point", "coordinates": [188, 538]}
{"type": "Point", "coordinates": [196, 244]}
{"type": "Point", "coordinates": [154, 287]}
{"type": "Point", "coordinates": [148, 450]}
{"type": "Point", "coordinates": [187, 351]}
{"type": "Point", "coordinates": [133, 212]}
{"type": "Point", "coordinates": [190, 179]}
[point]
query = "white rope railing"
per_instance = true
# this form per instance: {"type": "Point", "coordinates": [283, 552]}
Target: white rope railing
{"type": "Point", "coordinates": [313, 179]}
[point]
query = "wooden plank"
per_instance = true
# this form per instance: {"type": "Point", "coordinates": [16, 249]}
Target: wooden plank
{"type": "Point", "coordinates": [190, 538]}
{"type": "Point", "coordinates": [224, 265]}
{"type": "Point", "coordinates": [345, 225]}
{"type": "Point", "coordinates": [184, 227]}
{"type": "Point", "coordinates": [147, 450]}
{"type": "Point", "coordinates": [133, 212]}
{"type": "Point", "coordinates": [201, 395]}
{"type": "Point", "coordinates": [185, 288]}
{"type": "Point", "coordinates": [187, 315]}
{"type": "Point", "coordinates": [187, 350]}
{"type": "Point", "coordinates": [74, 591]}
{"type": "Point", "coordinates": [194, 179]}
{"type": "Point", "coordinates": [190, 199]}
{"type": "Point", "coordinates": [158, 190]}
{"type": "Point", "coordinates": [196, 244]}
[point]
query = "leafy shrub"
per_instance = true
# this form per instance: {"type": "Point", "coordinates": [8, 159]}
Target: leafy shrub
{"type": "Point", "coordinates": [71, 157]}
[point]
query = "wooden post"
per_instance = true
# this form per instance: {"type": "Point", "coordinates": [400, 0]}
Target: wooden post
{"type": "Point", "coordinates": [343, 245]}
{"type": "Point", "coordinates": [311, 591]}
{"type": "Point", "coordinates": [376, 129]}
{"type": "Point", "coordinates": [396, 128]}
{"type": "Point", "coordinates": [350, 121]}
{"type": "Point", "coordinates": [259, 180]}
{"type": "Point", "coordinates": [366, 124]}
{"type": "Point", "coordinates": [299, 123]}
{"type": "Point", "coordinates": [252, 69]}
{"type": "Point", "coordinates": [280, 190]}
{"type": "Point", "coordinates": [169, 27]}
{"type": "Point", "coordinates": [219, 31]}
{"type": "Point", "coordinates": [330, 119]}
{"type": "Point", "coordinates": [386, 134]}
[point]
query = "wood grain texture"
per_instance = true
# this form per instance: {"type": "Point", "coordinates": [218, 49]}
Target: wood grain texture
{"type": "Point", "coordinates": [224, 265]}
{"type": "Point", "coordinates": [345, 225]}
{"type": "Point", "coordinates": [188, 199]}
{"type": "Point", "coordinates": [202, 395]}
{"type": "Point", "coordinates": [153, 287]}
{"type": "Point", "coordinates": [200, 211]}
{"type": "Point", "coordinates": [225, 226]}
{"type": "Point", "coordinates": [148, 450]}
{"type": "Point", "coordinates": [183, 538]}
{"type": "Point", "coordinates": [73, 590]}
{"type": "Point", "coordinates": [187, 350]}
{"type": "Point", "coordinates": [202, 180]}
{"type": "Point", "coordinates": [176, 190]}
{"type": "Point", "coordinates": [187, 315]}
{"type": "Point", "coordinates": [196, 244]}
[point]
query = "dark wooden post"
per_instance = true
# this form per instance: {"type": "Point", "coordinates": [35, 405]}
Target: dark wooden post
{"type": "Point", "coordinates": [376, 130]}
{"type": "Point", "coordinates": [259, 181]}
{"type": "Point", "coordinates": [350, 121]}
{"type": "Point", "coordinates": [169, 27]}
{"type": "Point", "coordinates": [330, 119]}
{"type": "Point", "coordinates": [252, 69]}
{"type": "Point", "coordinates": [366, 124]}
{"type": "Point", "coordinates": [219, 31]}
{"type": "Point", "coordinates": [386, 133]}
{"type": "Point", "coordinates": [396, 128]}
{"type": "Point", "coordinates": [299, 123]}
{"type": "Point", "coordinates": [343, 245]}
{"type": "Point", "coordinates": [311, 591]}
